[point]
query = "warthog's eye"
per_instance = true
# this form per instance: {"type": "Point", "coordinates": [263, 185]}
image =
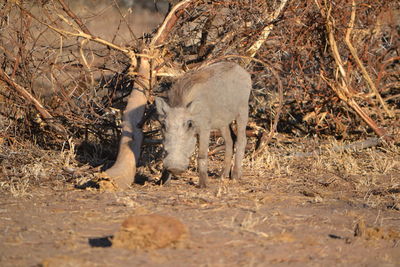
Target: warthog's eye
{"type": "Point", "coordinates": [189, 124]}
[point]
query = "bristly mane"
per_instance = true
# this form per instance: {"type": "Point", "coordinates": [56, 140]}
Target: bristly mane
{"type": "Point", "coordinates": [180, 93]}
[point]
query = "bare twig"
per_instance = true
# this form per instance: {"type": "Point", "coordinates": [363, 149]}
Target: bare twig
{"type": "Point", "coordinates": [371, 142]}
{"type": "Point", "coordinates": [349, 100]}
{"type": "Point", "coordinates": [266, 139]}
{"type": "Point", "coordinates": [266, 30]}
{"type": "Point", "coordinates": [364, 71]}
{"type": "Point", "coordinates": [27, 96]}
{"type": "Point", "coordinates": [77, 20]}
{"type": "Point", "coordinates": [169, 22]}
{"type": "Point", "coordinates": [127, 24]}
{"type": "Point", "coordinates": [341, 86]}
{"type": "Point", "coordinates": [80, 33]}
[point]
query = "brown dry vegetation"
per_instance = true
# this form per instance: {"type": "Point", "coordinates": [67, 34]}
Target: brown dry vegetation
{"type": "Point", "coordinates": [302, 201]}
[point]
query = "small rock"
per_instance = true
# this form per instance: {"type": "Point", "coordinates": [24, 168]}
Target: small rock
{"type": "Point", "coordinates": [149, 232]}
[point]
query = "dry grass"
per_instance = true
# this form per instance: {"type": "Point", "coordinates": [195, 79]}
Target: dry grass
{"type": "Point", "coordinates": [369, 176]}
{"type": "Point", "coordinates": [24, 166]}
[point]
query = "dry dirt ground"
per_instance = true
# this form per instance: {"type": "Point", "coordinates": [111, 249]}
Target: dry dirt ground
{"type": "Point", "coordinates": [333, 209]}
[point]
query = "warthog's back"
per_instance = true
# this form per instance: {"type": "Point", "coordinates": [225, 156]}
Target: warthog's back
{"type": "Point", "coordinates": [219, 93]}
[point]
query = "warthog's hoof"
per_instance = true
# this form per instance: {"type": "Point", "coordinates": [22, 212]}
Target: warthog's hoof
{"type": "Point", "coordinates": [165, 178]}
{"type": "Point", "coordinates": [202, 185]}
{"type": "Point", "coordinates": [236, 174]}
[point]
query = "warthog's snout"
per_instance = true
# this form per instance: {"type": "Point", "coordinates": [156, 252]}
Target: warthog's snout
{"type": "Point", "coordinates": [173, 167]}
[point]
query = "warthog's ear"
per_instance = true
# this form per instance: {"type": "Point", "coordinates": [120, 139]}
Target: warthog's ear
{"type": "Point", "coordinates": [162, 106]}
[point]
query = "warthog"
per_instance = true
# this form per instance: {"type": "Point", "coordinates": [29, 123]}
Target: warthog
{"type": "Point", "coordinates": [209, 98]}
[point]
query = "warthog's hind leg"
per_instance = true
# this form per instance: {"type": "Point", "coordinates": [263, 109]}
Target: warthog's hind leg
{"type": "Point", "coordinates": [165, 178]}
{"type": "Point", "coordinates": [226, 134]}
{"type": "Point", "coordinates": [204, 139]}
{"type": "Point", "coordinates": [240, 145]}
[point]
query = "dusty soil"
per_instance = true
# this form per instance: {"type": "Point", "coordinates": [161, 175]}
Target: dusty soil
{"type": "Point", "coordinates": [301, 212]}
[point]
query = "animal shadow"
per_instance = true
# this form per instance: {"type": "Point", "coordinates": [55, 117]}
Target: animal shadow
{"type": "Point", "coordinates": [101, 242]}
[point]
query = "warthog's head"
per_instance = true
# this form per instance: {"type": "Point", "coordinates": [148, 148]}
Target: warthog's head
{"type": "Point", "coordinates": [179, 135]}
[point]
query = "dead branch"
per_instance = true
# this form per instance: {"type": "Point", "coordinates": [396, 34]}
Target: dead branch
{"type": "Point", "coordinates": [127, 24]}
{"type": "Point", "coordinates": [264, 141]}
{"type": "Point", "coordinates": [169, 22]}
{"type": "Point", "coordinates": [341, 86]}
{"type": "Point", "coordinates": [359, 145]}
{"type": "Point", "coordinates": [267, 29]}
{"type": "Point", "coordinates": [77, 20]}
{"type": "Point", "coordinates": [28, 97]}
{"type": "Point", "coordinates": [347, 98]}
{"type": "Point", "coordinates": [85, 34]}
{"type": "Point", "coordinates": [160, 37]}
{"type": "Point", "coordinates": [353, 52]}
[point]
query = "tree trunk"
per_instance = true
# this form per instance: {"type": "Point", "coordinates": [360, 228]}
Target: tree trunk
{"type": "Point", "coordinates": [124, 169]}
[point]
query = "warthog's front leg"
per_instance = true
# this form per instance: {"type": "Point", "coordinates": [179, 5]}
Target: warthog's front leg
{"type": "Point", "coordinates": [204, 138]}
